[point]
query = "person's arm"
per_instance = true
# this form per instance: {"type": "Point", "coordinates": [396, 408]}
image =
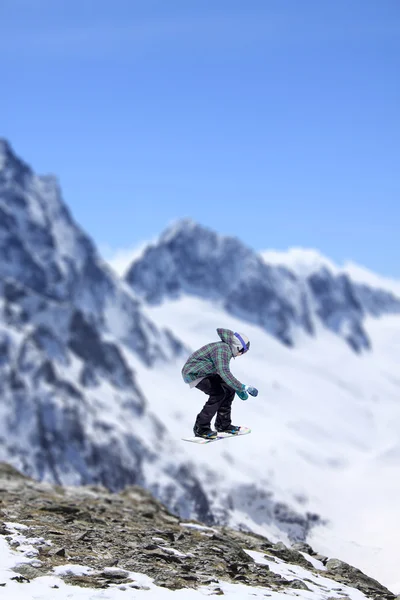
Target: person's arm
{"type": "Point", "coordinates": [222, 357]}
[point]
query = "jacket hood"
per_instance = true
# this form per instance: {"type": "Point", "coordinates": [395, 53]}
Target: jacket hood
{"type": "Point", "coordinates": [235, 341]}
{"type": "Point", "coordinates": [226, 336]}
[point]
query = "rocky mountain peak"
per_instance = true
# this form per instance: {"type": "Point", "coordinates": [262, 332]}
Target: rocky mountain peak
{"type": "Point", "coordinates": [12, 168]}
{"type": "Point", "coordinates": [179, 227]}
{"type": "Point", "coordinates": [191, 259]}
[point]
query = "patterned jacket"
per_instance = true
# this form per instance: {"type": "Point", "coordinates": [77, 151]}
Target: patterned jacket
{"type": "Point", "coordinates": [212, 359]}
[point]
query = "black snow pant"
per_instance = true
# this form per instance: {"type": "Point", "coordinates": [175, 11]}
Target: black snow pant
{"type": "Point", "coordinates": [219, 402]}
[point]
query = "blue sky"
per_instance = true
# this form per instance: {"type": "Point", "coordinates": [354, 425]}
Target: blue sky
{"type": "Point", "coordinates": [274, 120]}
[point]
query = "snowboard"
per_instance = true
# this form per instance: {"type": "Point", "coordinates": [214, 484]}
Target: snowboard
{"type": "Point", "coordinates": [221, 436]}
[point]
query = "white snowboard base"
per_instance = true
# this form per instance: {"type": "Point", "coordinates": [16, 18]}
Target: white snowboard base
{"type": "Point", "coordinates": [221, 436]}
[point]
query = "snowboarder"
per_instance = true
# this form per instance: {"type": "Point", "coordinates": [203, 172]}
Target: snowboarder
{"type": "Point", "coordinates": [207, 369]}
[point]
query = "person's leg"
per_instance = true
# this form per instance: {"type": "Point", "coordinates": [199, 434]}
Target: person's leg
{"type": "Point", "coordinates": [212, 386]}
{"type": "Point", "coordinates": [223, 420]}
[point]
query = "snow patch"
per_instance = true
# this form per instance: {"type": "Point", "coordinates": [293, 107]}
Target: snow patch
{"type": "Point", "coordinates": [49, 587]}
{"type": "Point", "coordinates": [120, 259]}
{"type": "Point", "coordinates": [303, 261]}
{"type": "Point", "coordinates": [306, 261]}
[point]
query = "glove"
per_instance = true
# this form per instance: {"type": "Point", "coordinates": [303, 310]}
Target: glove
{"type": "Point", "coordinates": [251, 390]}
{"type": "Point", "coordinates": [243, 395]}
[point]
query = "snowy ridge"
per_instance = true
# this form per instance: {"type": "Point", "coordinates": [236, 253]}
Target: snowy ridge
{"type": "Point", "coordinates": [305, 261]}
{"type": "Point", "coordinates": [302, 261]}
{"type": "Point", "coordinates": [191, 259]}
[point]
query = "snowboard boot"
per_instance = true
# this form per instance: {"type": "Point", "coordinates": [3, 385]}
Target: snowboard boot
{"type": "Point", "coordinates": [204, 431]}
{"type": "Point", "coordinates": [232, 429]}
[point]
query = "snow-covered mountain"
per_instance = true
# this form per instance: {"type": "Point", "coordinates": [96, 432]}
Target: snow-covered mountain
{"type": "Point", "coordinates": [325, 424]}
{"type": "Point", "coordinates": [190, 259]}
{"type": "Point", "coordinates": [73, 338]}
{"type": "Point", "coordinates": [71, 409]}
{"type": "Point", "coordinates": [45, 251]}
{"type": "Point", "coordinates": [87, 360]}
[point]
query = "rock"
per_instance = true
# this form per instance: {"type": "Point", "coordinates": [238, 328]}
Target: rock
{"type": "Point", "coordinates": [4, 530]}
{"type": "Point", "coordinates": [115, 573]}
{"type": "Point", "coordinates": [322, 558]}
{"type": "Point", "coordinates": [14, 543]}
{"type": "Point", "coordinates": [303, 547]}
{"type": "Point", "coordinates": [289, 555]}
{"type": "Point", "coordinates": [20, 579]}
{"type": "Point", "coordinates": [138, 586]}
{"type": "Point", "coordinates": [297, 584]}
{"type": "Point", "coordinates": [26, 570]}
{"type": "Point", "coordinates": [61, 508]}
{"type": "Point", "coordinates": [86, 581]}
{"type": "Point", "coordinates": [352, 576]}
{"type": "Point", "coordinates": [58, 552]}
{"type": "Point", "coordinates": [335, 564]}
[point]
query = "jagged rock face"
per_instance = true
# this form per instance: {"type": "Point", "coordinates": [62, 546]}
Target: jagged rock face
{"type": "Point", "coordinates": [71, 410]}
{"type": "Point", "coordinates": [189, 259]}
{"type": "Point", "coordinates": [44, 252]}
{"type": "Point", "coordinates": [196, 261]}
{"type": "Point", "coordinates": [38, 236]}
{"type": "Point", "coordinates": [118, 535]}
{"type": "Point", "coordinates": [376, 302]}
{"type": "Point", "coordinates": [338, 307]}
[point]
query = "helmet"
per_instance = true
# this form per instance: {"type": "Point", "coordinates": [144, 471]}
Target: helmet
{"type": "Point", "coordinates": [240, 344]}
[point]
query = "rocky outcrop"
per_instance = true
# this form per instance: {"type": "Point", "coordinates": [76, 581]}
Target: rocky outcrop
{"type": "Point", "coordinates": [112, 535]}
{"type": "Point", "coordinates": [344, 573]}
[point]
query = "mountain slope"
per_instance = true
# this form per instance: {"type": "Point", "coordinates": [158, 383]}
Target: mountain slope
{"type": "Point", "coordinates": [325, 424]}
{"type": "Point", "coordinates": [324, 435]}
{"type": "Point", "coordinates": [71, 409]}
{"type": "Point", "coordinates": [128, 543]}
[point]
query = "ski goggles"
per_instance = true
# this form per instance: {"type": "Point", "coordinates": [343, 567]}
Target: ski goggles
{"type": "Point", "coordinates": [245, 346]}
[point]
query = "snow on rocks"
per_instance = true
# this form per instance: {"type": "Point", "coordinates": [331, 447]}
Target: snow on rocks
{"type": "Point", "coordinates": [114, 543]}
